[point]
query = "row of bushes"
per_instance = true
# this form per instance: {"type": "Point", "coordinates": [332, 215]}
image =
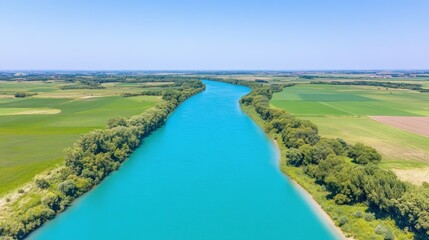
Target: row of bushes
{"type": "Point", "coordinates": [83, 84]}
{"type": "Point", "coordinates": [153, 92]}
{"type": "Point", "coordinates": [24, 94]}
{"type": "Point", "coordinates": [92, 158]}
{"type": "Point", "coordinates": [348, 172]}
{"type": "Point", "coordinates": [161, 85]}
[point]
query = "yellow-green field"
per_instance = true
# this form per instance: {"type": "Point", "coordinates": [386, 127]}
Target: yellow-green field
{"type": "Point", "coordinates": [342, 111]}
{"type": "Point", "coordinates": [34, 131]}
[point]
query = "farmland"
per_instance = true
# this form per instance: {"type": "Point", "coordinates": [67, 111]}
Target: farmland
{"type": "Point", "coordinates": [343, 111]}
{"type": "Point", "coordinates": [34, 131]}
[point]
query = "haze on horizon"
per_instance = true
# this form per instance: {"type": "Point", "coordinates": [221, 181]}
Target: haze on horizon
{"type": "Point", "coordinates": [214, 35]}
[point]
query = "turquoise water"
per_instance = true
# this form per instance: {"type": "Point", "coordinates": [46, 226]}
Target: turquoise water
{"type": "Point", "coordinates": [209, 173]}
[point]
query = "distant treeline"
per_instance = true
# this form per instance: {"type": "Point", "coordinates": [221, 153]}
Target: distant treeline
{"type": "Point", "coordinates": [400, 85]}
{"type": "Point", "coordinates": [83, 84]}
{"type": "Point", "coordinates": [94, 156]}
{"type": "Point", "coordinates": [181, 85]}
{"type": "Point", "coordinates": [330, 77]}
{"type": "Point", "coordinates": [352, 75]}
{"type": "Point", "coordinates": [160, 78]}
{"type": "Point", "coordinates": [349, 172]}
{"type": "Point", "coordinates": [253, 84]}
{"type": "Point", "coordinates": [95, 77]}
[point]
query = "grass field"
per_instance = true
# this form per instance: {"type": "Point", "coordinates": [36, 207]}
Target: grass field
{"type": "Point", "coordinates": [342, 111]}
{"type": "Point", "coordinates": [33, 142]}
{"type": "Point", "coordinates": [329, 100]}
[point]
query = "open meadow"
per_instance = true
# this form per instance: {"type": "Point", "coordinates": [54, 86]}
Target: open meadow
{"type": "Point", "coordinates": [34, 131]}
{"type": "Point", "coordinates": [345, 112]}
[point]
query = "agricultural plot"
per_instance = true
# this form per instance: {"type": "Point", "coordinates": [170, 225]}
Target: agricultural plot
{"type": "Point", "coordinates": [34, 131]}
{"type": "Point", "coordinates": [344, 111]}
{"type": "Point", "coordinates": [418, 125]}
{"type": "Point", "coordinates": [328, 100]}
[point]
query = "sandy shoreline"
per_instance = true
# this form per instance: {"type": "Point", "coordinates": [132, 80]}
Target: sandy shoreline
{"type": "Point", "coordinates": [321, 214]}
{"type": "Point", "coordinates": [326, 219]}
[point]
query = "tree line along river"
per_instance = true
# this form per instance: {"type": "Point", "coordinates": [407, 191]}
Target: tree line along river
{"type": "Point", "coordinates": [209, 173]}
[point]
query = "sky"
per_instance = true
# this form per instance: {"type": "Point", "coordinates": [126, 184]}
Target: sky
{"type": "Point", "coordinates": [214, 34]}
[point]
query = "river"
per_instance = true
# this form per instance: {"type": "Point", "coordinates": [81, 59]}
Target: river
{"type": "Point", "coordinates": [210, 173]}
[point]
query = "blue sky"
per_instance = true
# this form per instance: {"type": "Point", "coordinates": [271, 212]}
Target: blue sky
{"type": "Point", "coordinates": [214, 35]}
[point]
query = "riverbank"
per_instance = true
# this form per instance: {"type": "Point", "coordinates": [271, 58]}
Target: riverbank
{"type": "Point", "coordinates": [315, 206]}
{"type": "Point", "coordinates": [92, 158]}
{"type": "Point", "coordinates": [356, 220]}
{"type": "Point", "coordinates": [324, 216]}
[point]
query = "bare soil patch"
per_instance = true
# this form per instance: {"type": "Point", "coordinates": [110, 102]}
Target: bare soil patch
{"type": "Point", "coordinates": [416, 176]}
{"type": "Point", "coordinates": [14, 196]}
{"type": "Point", "coordinates": [418, 125]}
{"type": "Point", "coordinates": [89, 97]}
{"type": "Point", "coordinates": [27, 111]}
{"type": "Point", "coordinates": [39, 111]}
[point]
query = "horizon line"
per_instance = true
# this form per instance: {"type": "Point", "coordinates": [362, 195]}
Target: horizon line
{"type": "Point", "coordinates": [209, 70]}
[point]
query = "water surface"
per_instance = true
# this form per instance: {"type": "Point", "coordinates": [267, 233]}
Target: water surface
{"type": "Point", "coordinates": [209, 173]}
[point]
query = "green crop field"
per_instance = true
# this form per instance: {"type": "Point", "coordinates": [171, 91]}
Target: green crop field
{"type": "Point", "coordinates": [34, 141]}
{"type": "Point", "coordinates": [328, 100]}
{"type": "Point", "coordinates": [342, 111]}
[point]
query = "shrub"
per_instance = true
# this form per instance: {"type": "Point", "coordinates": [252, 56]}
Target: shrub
{"type": "Point", "coordinates": [20, 95]}
{"type": "Point", "coordinates": [343, 221]}
{"type": "Point", "coordinates": [380, 229]}
{"type": "Point", "coordinates": [369, 217]}
{"type": "Point", "coordinates": [358, 214]}
{"type": "Point", "coordinates": [42, 183]}
{"type": "Point", "coordinates": [389, 234]}
{"type": "Point", "coordinates": [341, 199]}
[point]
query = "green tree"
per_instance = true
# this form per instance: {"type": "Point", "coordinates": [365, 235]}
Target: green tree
{"type": "Point", "coordinates": [52, 200]}
{"type": "Point", "coordinates": [117, 121]}
{"type": "Point", "coordinates": [363, 154]}
{"type": "Point", "coordinates": [68, 187]}
{"type": "Point", "coordinates": [381, 187]}
{"type": "Point", "coordinates": [294, 157]}
{"type": "Point", "coordinates": [413, 210]}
